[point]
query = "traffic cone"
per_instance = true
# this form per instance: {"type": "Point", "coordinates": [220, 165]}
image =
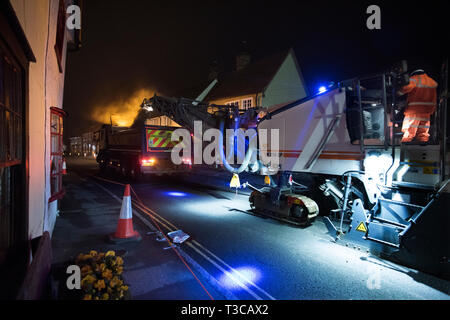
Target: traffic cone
{"type": "Point", "coordinates": [125, 231]}
{"type": "Point", "coordinates": [64, 167]}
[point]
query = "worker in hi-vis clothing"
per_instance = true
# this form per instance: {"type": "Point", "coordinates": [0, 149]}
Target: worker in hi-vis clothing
{"type": "Point", "coordinates": [421, 104]}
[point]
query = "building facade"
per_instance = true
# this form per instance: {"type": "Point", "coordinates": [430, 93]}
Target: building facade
{"type": "Point", "coordinates": [264, 83]}
{"type": "Point", "coordinates": [76, 146]}
{"type": "Point", "coordinates": [34, 42]}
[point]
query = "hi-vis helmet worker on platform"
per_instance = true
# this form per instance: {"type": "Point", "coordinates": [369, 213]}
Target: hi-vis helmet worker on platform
{"type": "Point", "coordinates": [421, 105]}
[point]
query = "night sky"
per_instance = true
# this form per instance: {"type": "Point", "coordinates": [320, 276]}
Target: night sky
{"type": "Point", "coordinates": [135, 44]}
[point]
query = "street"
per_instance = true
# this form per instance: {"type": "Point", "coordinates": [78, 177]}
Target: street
{"type": "Point", "coordinates": [203, 154]}
{"type": "Point", "coordinates": [252, 257]}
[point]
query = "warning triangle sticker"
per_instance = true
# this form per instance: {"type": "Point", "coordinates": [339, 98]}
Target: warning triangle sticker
{"type": "Point", "coordinates": [361, 227]}
{"type": "Point", "coordinates": [235, 183]}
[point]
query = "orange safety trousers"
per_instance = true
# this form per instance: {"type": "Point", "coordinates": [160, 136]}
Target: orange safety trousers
{"type": "Point", "coordinates": [421, 92]}
{"type": "Point", "coordinates": [416, 125]}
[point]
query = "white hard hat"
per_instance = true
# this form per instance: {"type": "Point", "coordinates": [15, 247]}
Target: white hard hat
{"type": "Point", "coordinates": [417, 71]}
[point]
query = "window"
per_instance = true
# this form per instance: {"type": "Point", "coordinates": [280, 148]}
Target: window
{"type": "Point", "coordinates": [11, 149]}
{"type": "Point", "coordinates": [365, 113]}
{"type": "Point", "coordinates": [56, 156]}
{"type": "Point", "coordinates": [60, 33]}
{"type": "Point", "coordinates": [233, 103]}
{"type": "Point", "coordinates": [11, 117]}
{"type": "Point", "coordinates": [247, 103]}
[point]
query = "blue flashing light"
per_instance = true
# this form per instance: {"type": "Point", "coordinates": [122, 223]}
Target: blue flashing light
{"type": "Point", "coordinates": [236, 278]}
{"type": "Point", "coordinates": [322, 89]}
{"type": "Point", "coordinates": [175, 194]}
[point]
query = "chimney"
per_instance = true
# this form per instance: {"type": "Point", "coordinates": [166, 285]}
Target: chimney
{"type": "Point", "coordinates": [242, 60]}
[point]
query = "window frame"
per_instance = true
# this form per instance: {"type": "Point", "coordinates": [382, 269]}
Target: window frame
{"type": "Point", "coordinates": [243, 103]}
{"type": "Point", "coordinates": [60, 191]}
{"type": "Point", "coordinates": [233, 103]}
{"type": "Point", "coordinates": [13, 106]}
{"type": "Point", "coordinates": [60, 33]}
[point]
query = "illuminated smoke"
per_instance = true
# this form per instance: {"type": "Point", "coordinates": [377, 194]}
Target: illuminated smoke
{"type": "Point", "coordinates": [123, 111]}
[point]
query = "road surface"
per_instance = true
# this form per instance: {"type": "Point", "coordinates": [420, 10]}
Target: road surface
{"type": "Point", "coordinates": [252, 257]}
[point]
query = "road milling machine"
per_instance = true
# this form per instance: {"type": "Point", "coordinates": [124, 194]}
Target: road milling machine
{"type": "Point", "coordinates": [340, 153]}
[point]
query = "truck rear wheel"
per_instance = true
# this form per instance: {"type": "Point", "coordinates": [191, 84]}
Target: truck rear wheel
{"type": "Point", "coordinates": [251, 199]}
{"type": "Point", "coordinates": [134, 174]}
{"type": "Point", "coordinates": [103, 167]}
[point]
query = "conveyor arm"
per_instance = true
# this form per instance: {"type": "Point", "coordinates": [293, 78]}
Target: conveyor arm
{"type": "Point", "coordinates": [185, 111]}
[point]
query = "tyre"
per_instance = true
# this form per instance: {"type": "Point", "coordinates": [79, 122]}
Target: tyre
{"type": "Point", "coordinates": [134, 174]}
{"type": "Point", "coordinates": [251, 199]}
{"type": "Point", "coordinates": [103, 167]}
{"type": "Point", "coordinates": [300, 214]}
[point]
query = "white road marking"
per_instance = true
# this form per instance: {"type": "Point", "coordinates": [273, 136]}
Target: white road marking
{"type": "Point", "coordinates": [171, 227]}
{"type": "Point", "coordinates": [212, 281]}
{"type": "Point", "coordinates": [234, 271]}
{"type": "Point", "coordinates": [237, 281]}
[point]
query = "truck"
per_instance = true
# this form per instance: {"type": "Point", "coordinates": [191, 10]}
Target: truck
{"type": "Point", "coordinates": [138, 151]}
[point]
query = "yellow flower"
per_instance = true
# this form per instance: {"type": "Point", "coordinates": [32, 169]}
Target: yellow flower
{"type": "Point", "coordinates": [114, 282]}
{"type": "Point", "coordinates": [102, 267]}
{"type": "Point", "coordinates": [124, 288]}
{"type": "Point", "coordinates": [87, 297]}
{"type": "Point", "coordinates": [105, 296]}
{"type": "Point", "coordinates": [119, 261]}
{"type": "Point", "coordinates": [93, 253]}
{"type": "Point", "coordinates": [97, 258]}
{"type": "Point", "coordinates": [86, 270]}
{"type": "Point", "coordinates": [119, 270]}
{"type": "Point", "coordinates": [100, 285]}
{"type": "Point", "coordinates": [88, 279]}
{"type": "Point", "coordinates": [110, 253]}
{"type": "Point", "coordinates": [107, 274]}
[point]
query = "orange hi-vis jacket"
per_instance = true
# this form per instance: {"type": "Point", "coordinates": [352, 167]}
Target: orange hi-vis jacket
{"type": "Point", "coordinates": [422, 95]}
